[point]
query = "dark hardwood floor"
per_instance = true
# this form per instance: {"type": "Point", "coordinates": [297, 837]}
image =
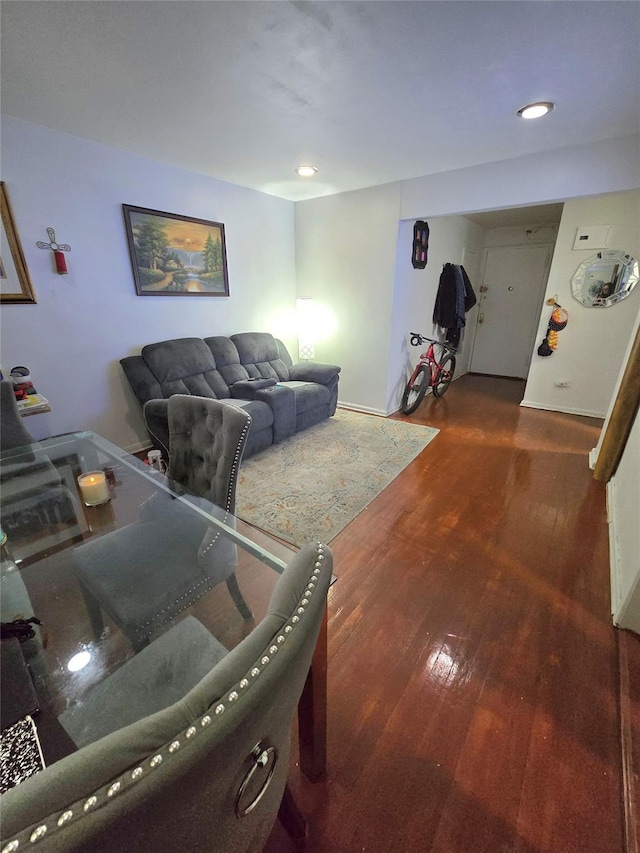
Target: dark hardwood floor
{"type": "Point", "coordinates": [473, 672]}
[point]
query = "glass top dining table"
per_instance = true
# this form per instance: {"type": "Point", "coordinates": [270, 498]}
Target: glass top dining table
{"type": "Point", "coordinates": [68, 564]}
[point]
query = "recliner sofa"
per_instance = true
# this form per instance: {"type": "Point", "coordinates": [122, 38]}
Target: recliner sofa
{"type": "Point", "coordinates": [252, 369]}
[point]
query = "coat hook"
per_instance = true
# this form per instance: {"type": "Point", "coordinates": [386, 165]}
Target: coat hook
{"type": "Point", "coordinates": [57, 249]}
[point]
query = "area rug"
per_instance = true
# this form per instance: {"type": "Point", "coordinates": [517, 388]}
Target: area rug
{"type": "Point", "coordinates": [311, 485]}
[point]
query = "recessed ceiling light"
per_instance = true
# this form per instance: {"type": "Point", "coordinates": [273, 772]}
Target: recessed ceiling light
{"type": "Point", "coordinates": [306, 171]}
{"type": "Point", "coordinates": [541, 108]}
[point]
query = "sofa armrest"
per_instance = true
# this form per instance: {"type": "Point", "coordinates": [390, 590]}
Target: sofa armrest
{"type": "Point", "coordinates": [245, 389]}
{"type": "Point", "coordinates": [282, 402]}
{"type": "Point", "coordinates": [143, 383]}
{"type": "Point", "coordinates": [156, 418]}
{"type": "Point", "coordinates": [314, 372]}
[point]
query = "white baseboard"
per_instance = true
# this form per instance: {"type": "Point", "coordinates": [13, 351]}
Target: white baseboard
{"type": "Point", "coordinates": [364, 409]}
{"type": "Point", "coordinates": [567, 411]}
{"type": "Point", "coordinates": [593, 457]}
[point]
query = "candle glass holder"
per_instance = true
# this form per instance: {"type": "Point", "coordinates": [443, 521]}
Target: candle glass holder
{"type": "Point", "coordinates": [94, 488]}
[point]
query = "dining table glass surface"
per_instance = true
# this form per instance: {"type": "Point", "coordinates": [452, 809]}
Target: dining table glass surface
{"type": "Point", "coordinates": [119, 574]}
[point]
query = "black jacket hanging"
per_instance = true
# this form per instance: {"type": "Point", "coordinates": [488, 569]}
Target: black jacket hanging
{"type": "Point", "coordinates": [469, 296]}
{"type": "Point", "coordinates": [454, 298]}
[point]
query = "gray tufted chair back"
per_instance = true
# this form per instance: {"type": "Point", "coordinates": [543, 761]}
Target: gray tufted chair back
{"type": "Point", "coordinates": [13, 432]}
{"type": "Point", "coordinates": [206, 441]}
{"type": "Point", "coordinates": [174, 780]}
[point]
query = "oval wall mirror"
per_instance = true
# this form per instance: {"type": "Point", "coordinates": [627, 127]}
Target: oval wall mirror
{"type": "Point", "coordinates": [605, 278]}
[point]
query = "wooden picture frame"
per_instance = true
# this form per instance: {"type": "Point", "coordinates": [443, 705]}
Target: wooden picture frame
{"type": "Point", "coordinates": [174, 255]}
{"type": "Point", "coordinates": [15, 283]}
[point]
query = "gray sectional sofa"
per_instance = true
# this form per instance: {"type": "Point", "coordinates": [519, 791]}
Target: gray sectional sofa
{"type": "Point", "coordinates": [253, 370]}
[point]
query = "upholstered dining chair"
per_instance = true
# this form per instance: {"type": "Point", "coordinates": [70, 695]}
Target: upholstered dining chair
{"type": "Point", "coordinates": [207, 773]}
{"type": "Point", "coordinates": [120, 573]}
{"type": "Point", "coordinates": [13, 432]}
{"type": "Point", "coordinates": [32, 490]}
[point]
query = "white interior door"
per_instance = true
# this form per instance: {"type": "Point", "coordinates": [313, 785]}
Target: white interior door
{"type": "Point", "coordinates": [509, 305]}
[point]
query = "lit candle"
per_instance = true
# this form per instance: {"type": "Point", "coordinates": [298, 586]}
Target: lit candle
{"type": "Point", "coordinates": [94, 488]}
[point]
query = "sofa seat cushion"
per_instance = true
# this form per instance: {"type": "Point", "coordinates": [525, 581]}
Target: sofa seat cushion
{"type": "Point", "coordinates": [308, 395]}
{"type": "Point", "coordinates": [261, 413]}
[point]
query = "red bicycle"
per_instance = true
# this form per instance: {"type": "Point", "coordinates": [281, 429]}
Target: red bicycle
{"type": "Point", "coordinates": [431, 371]}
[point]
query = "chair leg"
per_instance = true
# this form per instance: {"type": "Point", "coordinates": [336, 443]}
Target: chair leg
{"type": "Point", "coordinates": [291, 817]}
{"type": "Point", "coordinates": [236, 595]}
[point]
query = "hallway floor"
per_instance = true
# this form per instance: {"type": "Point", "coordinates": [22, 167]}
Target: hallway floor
{"type": "Point", "coordinates": [473, 667]}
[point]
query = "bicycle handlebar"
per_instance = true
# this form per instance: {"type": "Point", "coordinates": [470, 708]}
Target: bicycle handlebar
{"type": "Point", "coordinates": [417, 339]}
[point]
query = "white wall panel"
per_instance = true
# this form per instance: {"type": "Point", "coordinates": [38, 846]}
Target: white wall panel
{"type": "Point", "coordinates": [592, 346]}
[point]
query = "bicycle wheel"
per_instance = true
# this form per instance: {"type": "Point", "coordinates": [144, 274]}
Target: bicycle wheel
{"type": "Point", "coordinates": [445, 375]}
{"type": "Point", "coordinates": [414, 393]}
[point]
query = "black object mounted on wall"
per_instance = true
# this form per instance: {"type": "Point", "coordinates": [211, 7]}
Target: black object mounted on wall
{"type": "Point", "coordinates": [420, 245]}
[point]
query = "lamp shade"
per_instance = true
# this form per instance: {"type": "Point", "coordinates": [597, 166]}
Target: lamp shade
{"type": "Point", "coordinates": [306, 330]}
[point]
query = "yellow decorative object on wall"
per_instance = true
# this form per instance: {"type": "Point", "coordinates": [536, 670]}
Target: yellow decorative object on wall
{"type": "Point", "coordinates": [558, 320]}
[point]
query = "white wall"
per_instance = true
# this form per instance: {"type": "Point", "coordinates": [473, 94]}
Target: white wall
{"type": "Point", "coordinates": [623, 493]}
{"type": "Point", "coordinates": [345, 259]}
{"type": "Point", "coordinates": [86, 321]}
{"type": "Point", "coordinates": [623, 500]}
{"type": "Point", "coordinates": [415, 293]}
{"type": "Point", "coordinates": [602, 167]}
{"type": "Point", "coordinates": [592, 346]}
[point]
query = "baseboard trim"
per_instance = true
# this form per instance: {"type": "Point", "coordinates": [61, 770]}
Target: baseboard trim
{"type": "Point", "coordinates": [366, 410]}
{"type": "Point", "coordinates": [593, 458]}
{"type": "Point", "coordinates": [630, 774]}
{"type": "Point", "coordinates": [585, 413]}
{"type": "Point", "coordinates": [613, 551]}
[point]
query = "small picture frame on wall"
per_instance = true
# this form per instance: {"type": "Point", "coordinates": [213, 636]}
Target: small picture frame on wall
{"type": "Point", "coordinates": [15, 283]}
{"type": "Point", "coordinates": [174, 255]}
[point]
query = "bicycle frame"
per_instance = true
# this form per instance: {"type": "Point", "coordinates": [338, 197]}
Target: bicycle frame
{"type": "Point", "coordinates": [430, 360]}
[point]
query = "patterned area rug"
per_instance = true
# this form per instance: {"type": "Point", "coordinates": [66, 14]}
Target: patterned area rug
{"type": "Point", "coordinates": [313, 484]}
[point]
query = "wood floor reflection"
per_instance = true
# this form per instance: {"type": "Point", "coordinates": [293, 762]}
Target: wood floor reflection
{"type": "Point", "coordinates": [473, 671]}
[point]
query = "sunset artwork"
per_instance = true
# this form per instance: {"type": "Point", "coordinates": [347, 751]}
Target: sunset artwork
{"type": "Point", "coordinates": [173, 255]}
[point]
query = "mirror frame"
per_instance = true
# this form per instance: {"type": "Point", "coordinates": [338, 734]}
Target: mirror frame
{"type": "Point", "coordinates": [624, 278]}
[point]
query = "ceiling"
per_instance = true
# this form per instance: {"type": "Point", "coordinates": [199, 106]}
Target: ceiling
{"type": "Point", "coordinates": [368, 92]}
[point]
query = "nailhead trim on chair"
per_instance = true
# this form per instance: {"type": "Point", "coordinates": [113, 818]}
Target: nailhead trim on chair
{"type": "Point", "coordinates": [130, 777]}
{"type": "Point", "coordinates": [171, 609]}
{"type": "Point", "coordinates": [234, 473]}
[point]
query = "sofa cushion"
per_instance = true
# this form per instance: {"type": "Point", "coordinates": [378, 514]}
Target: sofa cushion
{"type": "Point", "coordinates": [260, 354]}
{"type": "Point", "coordinates": [308, 396]}
{"type": "Point", "coordinates": [261, 413]}
{"type": "Point", "coordinates": [226, 359]}
{"type": "Point", "coordinates": [185, 366]}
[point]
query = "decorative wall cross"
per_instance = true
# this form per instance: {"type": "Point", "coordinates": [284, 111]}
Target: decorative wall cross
{"type": "Point", "coordinates": [57, 249]}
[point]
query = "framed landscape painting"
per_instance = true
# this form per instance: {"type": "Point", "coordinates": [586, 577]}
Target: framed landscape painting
{"type": "Point", "coordinates": [173, 255]}
{"type": "Point", "coordinates": [15, 284]}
